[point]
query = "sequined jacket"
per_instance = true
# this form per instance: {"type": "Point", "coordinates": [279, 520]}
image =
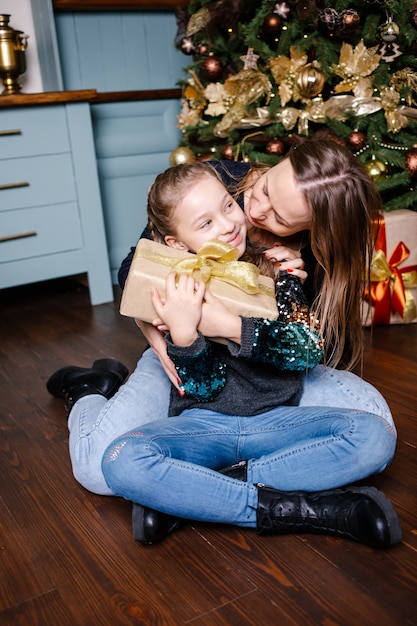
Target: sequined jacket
{"type": "Point", "coordinates": [263, 372]}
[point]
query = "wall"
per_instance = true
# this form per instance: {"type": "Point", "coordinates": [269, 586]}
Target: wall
{"type": "Point", "coordinates": [124, 51]}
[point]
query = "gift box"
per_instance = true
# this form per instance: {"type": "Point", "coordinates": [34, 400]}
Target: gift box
{"type": "Point", "coordinates": [236, 283]}
{"type": "Point", "coordinates": [392, 296]}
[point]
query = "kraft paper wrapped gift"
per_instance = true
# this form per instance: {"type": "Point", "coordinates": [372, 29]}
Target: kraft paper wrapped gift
{"type": "Point", "coordinates": [216, 264]}
{"type": "Point", "coordinates": [393, 294]}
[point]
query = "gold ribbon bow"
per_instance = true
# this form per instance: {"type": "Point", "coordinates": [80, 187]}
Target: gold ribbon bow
{"type": "Point", "coordinates": [390, 284]}
{"type": "Point", "coordinates": [215, 259]}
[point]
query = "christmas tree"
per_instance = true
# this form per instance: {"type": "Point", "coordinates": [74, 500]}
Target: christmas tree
{"type": "Point", "coordinates": [267, 75]}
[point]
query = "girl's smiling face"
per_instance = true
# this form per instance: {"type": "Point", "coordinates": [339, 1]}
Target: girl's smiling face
{"type": "Point", "coordinates": [207, 211]}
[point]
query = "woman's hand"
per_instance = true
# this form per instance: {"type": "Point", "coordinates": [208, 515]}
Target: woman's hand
{"type": "Point", "coordinates": [157, 342]}
{"type": "Point", "coordinates": [181, 308]}
{"type": "Point", "coordinates": [286, 258]}
{"type": "Point", "coordinates": [218, 321]}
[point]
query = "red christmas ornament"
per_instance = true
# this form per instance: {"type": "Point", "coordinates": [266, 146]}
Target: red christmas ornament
{"type": "Point", "coordinates": [201, 49]}
{"type": "Point", "coordinates": [211, 68]}
{"type": "Point", "coordinates": [275, 146]}
{"type": "Point", "coordinates": [356, 140]}
{"type": "Point", "coordinates": [272, 24]}
{"type": "Point", "coordinates": [227, 152]}
{"type": "Point", "coordinates": [411, 162]}
{"type": "Point", "coordinates": [208, 156]}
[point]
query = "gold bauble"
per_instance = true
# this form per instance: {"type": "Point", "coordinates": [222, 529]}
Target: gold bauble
{"type": "Point", "coordinates": [310, 81]}
{"type": "Point", "coordinates": [376, 169]}
{"type": "Point", "coordinates": [181, 155]}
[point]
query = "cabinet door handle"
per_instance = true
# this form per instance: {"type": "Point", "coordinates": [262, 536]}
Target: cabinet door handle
{"type": "Point", "coordinates": [14, 185]}
{"type": "Point", "coordinates": [30, 233]}
{"type": "Point", "coordinates": [12, 131]}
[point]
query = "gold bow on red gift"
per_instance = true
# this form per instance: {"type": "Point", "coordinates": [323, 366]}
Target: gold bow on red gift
{"type": "Point", "coordinates": [390, 284]}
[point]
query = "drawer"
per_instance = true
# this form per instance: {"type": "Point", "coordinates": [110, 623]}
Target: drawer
{"type": "Point", "coordinates": [27, 132]}
{"type": "Point", "coordinates": [38, 232]}
{"type": "Point", "coordinates": [36, 181]}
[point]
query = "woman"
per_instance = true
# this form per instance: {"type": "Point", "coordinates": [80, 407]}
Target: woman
{"type": "Point", "coordinates": [98, 414]}
{"type": "Point", "coordinates": [240, 406]}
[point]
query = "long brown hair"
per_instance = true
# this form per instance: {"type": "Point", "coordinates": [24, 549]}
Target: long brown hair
{"type": "Point", "coordinates": [166, 194]}
{"type": "Point", "coordinates": [345, 208]}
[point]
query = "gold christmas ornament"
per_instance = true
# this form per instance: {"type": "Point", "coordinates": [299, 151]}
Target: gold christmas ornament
{"type": "Point", "coordinates": [181, 155]}
{"type": "Point", "coordinates": [285, 70]}
{"type": "Point", "coordinates": [376, 169]}
{"type": "Point", "coordinates": [389, 31]}
{"type": "Point", "coordinates": [355, 67]}
{"type": "Point", "coordinates": [243, 88]}
{"type": "Point", "coordinates": [310, 81]}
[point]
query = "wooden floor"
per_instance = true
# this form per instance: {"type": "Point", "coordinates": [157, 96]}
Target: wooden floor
{"type": "Point", "coordinates": [67, 556]}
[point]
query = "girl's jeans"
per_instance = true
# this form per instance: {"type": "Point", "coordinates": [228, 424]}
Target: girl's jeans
{"type": "Point", "coordinates": [166, 465]}
{"type": "Point", "coordinates": [95, 422]}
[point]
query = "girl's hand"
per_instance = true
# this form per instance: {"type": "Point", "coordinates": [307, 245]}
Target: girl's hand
{"type": "Point", "coordinates": [286, 258]}
{"type": "Point", "coordinates": [218, 321]}
{"type": "Point", "coordinates": [181, 308]}
{"type": "Point", "coordinates": [157, 342]}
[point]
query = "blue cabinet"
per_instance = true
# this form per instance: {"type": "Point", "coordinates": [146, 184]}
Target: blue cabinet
{"type": "Point", "coordinates": [51, 220]}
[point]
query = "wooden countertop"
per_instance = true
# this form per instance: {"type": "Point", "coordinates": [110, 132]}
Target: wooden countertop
{"type": "Point", "coordinates": [49, 97]}
{"type": "Point", "coordinates": [86, 95]}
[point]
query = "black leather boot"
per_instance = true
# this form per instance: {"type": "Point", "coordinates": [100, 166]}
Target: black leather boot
{"type": "Point", "coordinates": [150, 526]}
{"type": "Point", "coordinates": [72, 383]}
{"type": "Point", "coordinates": [363, 514]}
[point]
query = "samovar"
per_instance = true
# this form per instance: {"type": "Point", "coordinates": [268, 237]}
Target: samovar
{"type": "Point", "coordinates": [13, 44]}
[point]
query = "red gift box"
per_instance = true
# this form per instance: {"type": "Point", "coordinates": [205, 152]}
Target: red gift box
{"type": "Point", "coordinates": [392, 296]}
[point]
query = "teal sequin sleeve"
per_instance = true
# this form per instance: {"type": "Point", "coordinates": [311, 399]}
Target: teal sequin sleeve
{"type": "Point", "coordinates": [293, 341]}
{"type": "Point", "coordinates": [285, 345]}
{"type": "Point", "coordinates": [200, 368]}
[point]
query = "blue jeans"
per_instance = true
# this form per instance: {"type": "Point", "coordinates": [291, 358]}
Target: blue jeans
{"type": "Point", "coordinates": [168, 465]}
{"type": "Point", "coordinates": [95, 422]}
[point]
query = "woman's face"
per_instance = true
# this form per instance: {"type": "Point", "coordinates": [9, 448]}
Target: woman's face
{"type": "Point", "coordinates": [206, 212]}
{"type": "Point", "coordinates": [275, 203]}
